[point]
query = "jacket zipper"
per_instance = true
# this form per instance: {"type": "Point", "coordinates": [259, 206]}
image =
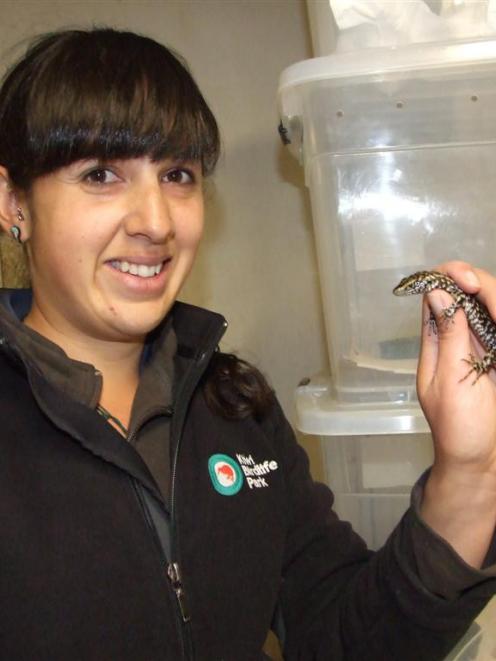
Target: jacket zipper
{"type": "Point", "coordinates": [163, 560]}
{"type": "Point", "coordinates": [174, 574]}
{"type": "Point", "coordinates": [178, 419]}
{"type": "Point", "coordinates": [172, 568]}
{"type": "Point", "coordinates": [177, 425]}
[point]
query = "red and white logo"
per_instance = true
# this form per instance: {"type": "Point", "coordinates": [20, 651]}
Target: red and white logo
{"type": "Point", "coordinates": [225, 473]}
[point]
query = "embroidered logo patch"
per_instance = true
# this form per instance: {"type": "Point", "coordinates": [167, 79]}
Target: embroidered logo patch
{"type": "Point", "coordinates": [225, 474]}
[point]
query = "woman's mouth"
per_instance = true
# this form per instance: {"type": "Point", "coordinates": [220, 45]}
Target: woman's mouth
{"type": "Point", "coordinates": [140, 270]}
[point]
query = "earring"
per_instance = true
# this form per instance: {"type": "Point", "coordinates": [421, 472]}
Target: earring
{"type": "Point", "coordinates": [20, 215]}
{"type": "Point", "coordinates": [16, 233]}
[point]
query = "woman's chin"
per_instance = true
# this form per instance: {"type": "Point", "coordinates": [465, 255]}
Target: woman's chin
{"type": "Point", "coordinates": [135, 326]}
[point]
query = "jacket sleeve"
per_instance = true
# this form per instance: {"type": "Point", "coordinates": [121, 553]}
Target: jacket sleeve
{"type": "Point", "coordinates": [440, 568]}
{"type": "Point", "coordinates": [340, 601]}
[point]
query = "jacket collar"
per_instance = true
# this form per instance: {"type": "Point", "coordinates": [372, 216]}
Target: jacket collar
{"type": "Point", "coordinates": [198, 332]}
{"type": "Point", "coordinates": [78, 379]}
{"type": "Point", "coordinates": [195, 327]}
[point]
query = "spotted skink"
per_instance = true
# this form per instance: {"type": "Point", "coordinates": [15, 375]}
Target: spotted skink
{"type": "Point", "coordinates": [478, 317]}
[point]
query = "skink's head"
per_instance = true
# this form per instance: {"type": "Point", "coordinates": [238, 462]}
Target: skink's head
{"type": "Point", "coordinates": [418, 283]}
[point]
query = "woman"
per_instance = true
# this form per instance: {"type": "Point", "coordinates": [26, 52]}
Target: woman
{"type": "Point", "coordinates": [154, 503]}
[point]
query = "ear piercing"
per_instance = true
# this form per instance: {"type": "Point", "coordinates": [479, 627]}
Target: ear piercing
{"type": "Point", "coordinates": [15, 230]}
{"type": "Point", "coordinates": [16, 233]}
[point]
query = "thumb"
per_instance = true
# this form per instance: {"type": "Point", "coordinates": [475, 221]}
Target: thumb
{"type": "Point", "coordinates": [429, 349]}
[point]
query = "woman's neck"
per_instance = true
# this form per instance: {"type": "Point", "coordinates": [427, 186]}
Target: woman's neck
{"type": "Point", "coordinates": [117, 362]}
{"type": "Point", "coordinates": [116, 358]}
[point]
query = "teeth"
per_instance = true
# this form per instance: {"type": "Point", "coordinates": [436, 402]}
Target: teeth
{"type": "Point", "coordinates": [141, 270]}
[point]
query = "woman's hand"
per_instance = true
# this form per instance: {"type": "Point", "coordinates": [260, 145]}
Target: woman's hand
{"type": "Point", "coordinates": [460, 495]}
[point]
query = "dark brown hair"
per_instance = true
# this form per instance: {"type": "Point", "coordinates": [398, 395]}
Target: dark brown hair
{"type": "Point", "coordinates": [235, 389]}
{"type": "Point", "coordinates": [103, 94]}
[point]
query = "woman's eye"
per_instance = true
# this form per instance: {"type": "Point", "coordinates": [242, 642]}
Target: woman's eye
{"type": "Point", "coordinates": [100, 176]}
{"type": "Point", "coordinates": [180, 176]}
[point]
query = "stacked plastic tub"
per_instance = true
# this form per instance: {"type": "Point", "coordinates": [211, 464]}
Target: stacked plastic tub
{"type": "Point", "coordinates": [399, 153]}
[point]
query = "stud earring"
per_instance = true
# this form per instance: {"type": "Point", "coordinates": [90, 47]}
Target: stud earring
{"type": "Point", "coordinates": [20, 215]}
{"type": "Point", "coordinates": [16, 233]}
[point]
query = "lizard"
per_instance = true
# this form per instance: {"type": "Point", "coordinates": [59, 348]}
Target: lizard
{"type": "Point", "coordinates": [477, 314]}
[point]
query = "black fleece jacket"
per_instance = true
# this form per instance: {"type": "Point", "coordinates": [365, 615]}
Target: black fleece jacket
{"type": "Point", "coordinates": [95, 566]}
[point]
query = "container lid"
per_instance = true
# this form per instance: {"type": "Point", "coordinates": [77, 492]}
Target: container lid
{"type": "Point", "coordinates": [377, 61]}
{"type": "Point", "coordinates": [318, 413]}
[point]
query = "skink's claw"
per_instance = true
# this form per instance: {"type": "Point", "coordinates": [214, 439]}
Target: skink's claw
{"type": "Point", "coordinates": [480, 367]}
{"type": "Point", "coordinates": [431, 322]}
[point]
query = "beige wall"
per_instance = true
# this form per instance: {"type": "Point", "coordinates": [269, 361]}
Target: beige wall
{"type": "Point", "coordinates": [257, 265]}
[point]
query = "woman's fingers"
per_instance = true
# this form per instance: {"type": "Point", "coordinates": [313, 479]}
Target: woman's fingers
{"type": "Point", "coordinates": [464, 274]}
{"type": "Point", "coordinates": [473, 281]}
{"type": "Point", "coordinates": [428, 356]}
{"type": "Point", "coordinates": [487, 291]}
{"type": "Point", "coordinates": [445, 349]}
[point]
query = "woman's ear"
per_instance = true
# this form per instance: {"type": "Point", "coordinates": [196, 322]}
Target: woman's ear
{"type": "Point", "coordinates": [12, 218]}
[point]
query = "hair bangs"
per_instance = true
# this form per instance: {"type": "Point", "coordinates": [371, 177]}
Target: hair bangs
{"type": "Point", "coordinates": [120, 96]}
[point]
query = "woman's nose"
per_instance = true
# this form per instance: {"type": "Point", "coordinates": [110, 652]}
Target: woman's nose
{"type": "Point", "coordinates": [150, 214]}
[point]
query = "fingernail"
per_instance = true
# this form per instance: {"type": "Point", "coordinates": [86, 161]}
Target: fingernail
{"type": "Point", "coordinates": [471, 278]}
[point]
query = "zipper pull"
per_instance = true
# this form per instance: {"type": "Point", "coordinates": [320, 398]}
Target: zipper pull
{"type": "Point", "coordinates": [175, 578]}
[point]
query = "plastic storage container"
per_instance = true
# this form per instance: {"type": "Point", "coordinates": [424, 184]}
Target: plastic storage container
{"type": "Point", "coordinates": [399, 150]}
{"type": "Point", "coordinates": [372, 477]}
{"type": "Point", "coordinates": [371, 459]}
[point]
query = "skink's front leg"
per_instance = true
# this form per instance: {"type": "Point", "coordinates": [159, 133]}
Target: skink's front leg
{"type": "Point", "coordinates": [449, 312]}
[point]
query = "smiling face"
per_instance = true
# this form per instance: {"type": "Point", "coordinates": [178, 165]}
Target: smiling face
{"type": "Point", "coordinates": [110, 246]}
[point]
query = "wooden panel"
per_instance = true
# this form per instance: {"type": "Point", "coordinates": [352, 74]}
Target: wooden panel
{"type": "Point", "coordinates": [13, 264]}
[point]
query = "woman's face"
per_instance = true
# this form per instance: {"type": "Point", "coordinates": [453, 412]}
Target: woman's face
{"type": "Point", "coordinates": [111, 244]}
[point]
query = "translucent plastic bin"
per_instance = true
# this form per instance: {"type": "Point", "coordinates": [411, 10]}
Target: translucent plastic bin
{"type": "Point", "coordinates": [372, 477]}
{"type": "Point", "coordinates": [399, 150]}
{"type": "Point", "coordinates": [372, 457]}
